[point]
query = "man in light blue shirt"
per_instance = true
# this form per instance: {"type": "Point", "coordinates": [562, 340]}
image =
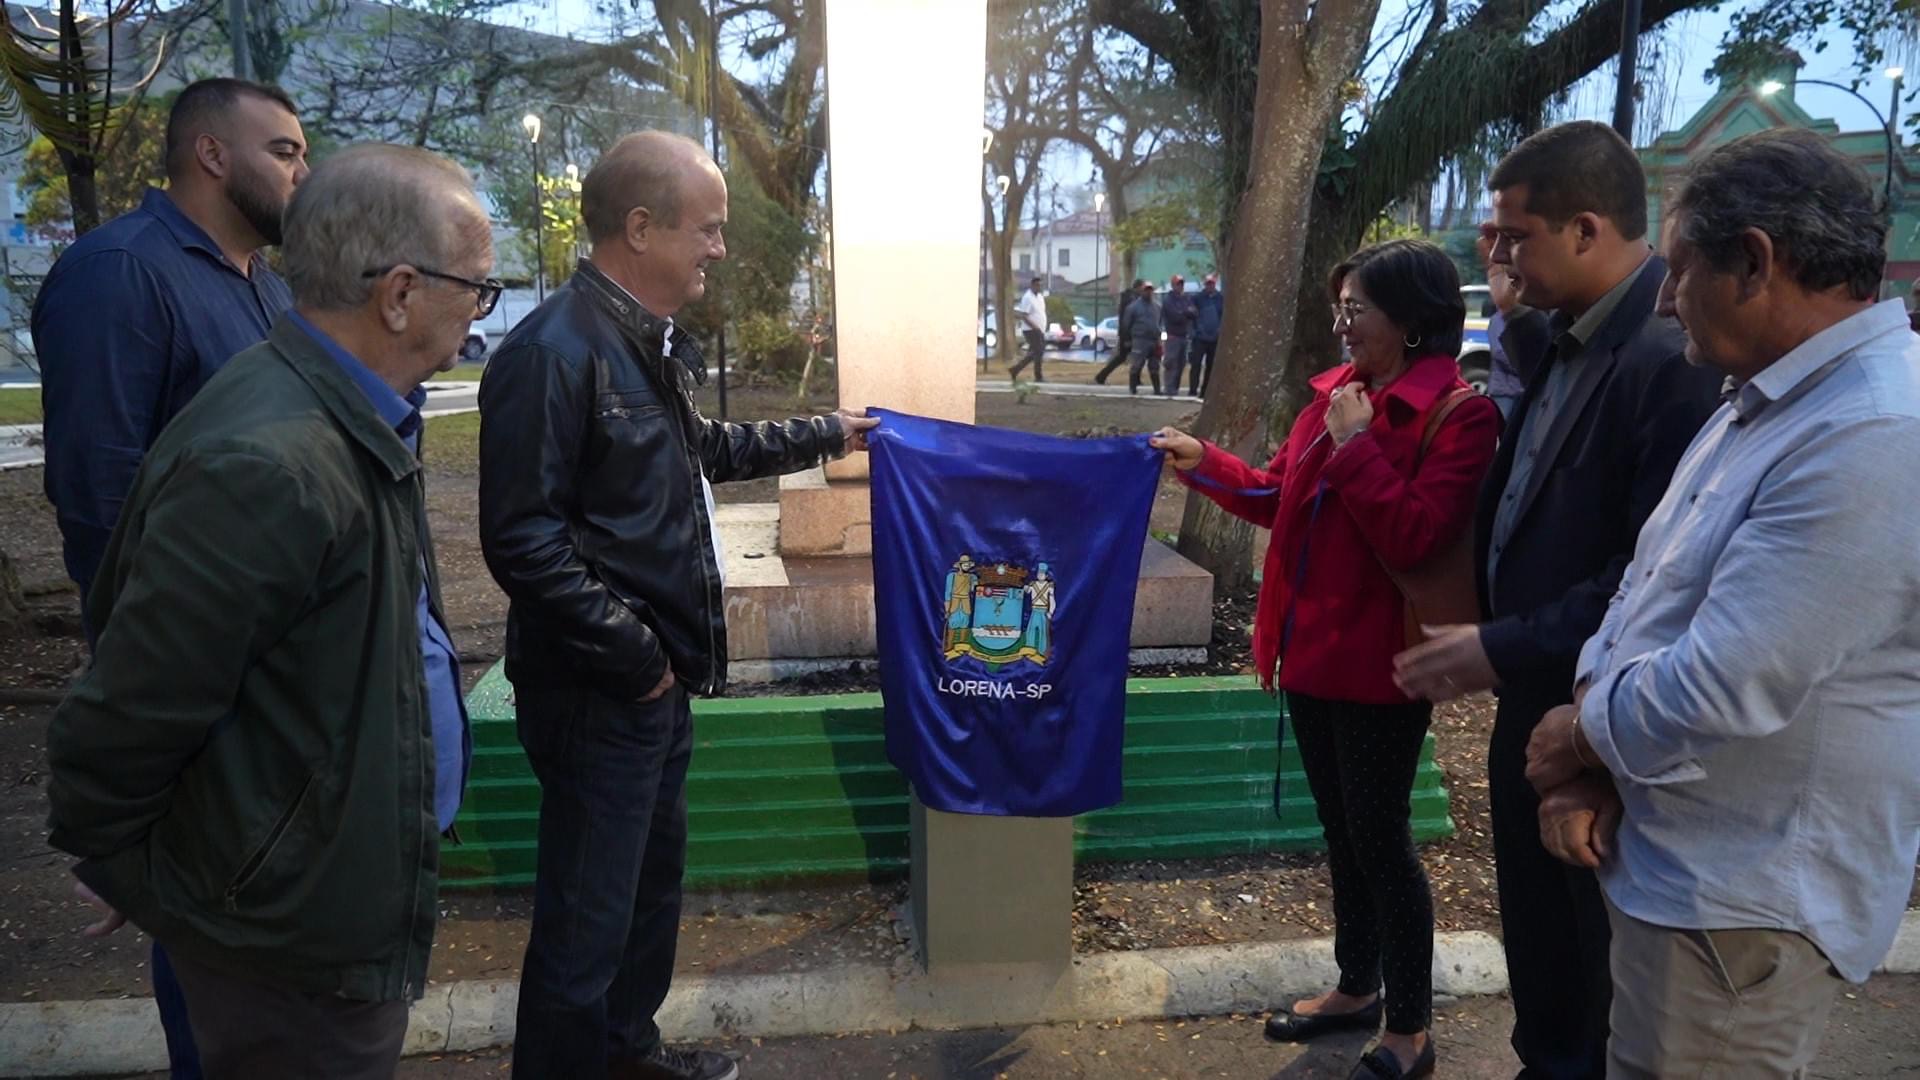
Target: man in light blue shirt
{"type": "Point", "coordinates": [1749, 712]}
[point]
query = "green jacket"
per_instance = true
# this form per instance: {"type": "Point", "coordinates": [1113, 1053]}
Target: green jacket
{"type": "Point", "coordinates": [246, 771]}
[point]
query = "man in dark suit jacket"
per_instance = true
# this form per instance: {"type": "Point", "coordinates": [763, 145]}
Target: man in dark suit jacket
{"type": "Point", "coordinates": [1611, 406]}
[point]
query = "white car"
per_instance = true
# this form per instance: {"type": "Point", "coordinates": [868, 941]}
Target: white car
{"type": "Point", "coordinates": [474, 349]}
{"type": "Point", "coordinates": [1476, 349]}
{"type": "Point", "coordinates": [988, 333]}
{"type": "Point", "coordinates": [1086, 335]}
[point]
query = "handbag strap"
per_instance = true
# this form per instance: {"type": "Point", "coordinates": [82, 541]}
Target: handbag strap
{"type": "Point", "coordinates": [1435, 419]}
{"type": "Point", "coordinates": [1438, 417]}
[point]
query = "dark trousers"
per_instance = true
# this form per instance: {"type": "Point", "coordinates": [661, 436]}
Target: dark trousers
{"type": "Point", "coordinates": [1553, 918]}
{"type": "Point", "coordinates": [1113, 365]}
{"type": "Point", "coordinates": [606, 903]}
{"type": "Point", "coordinates": [1148, 358]}
{"type": "Point", "coordinates": [1360, 761]}
{"type": "Point", "coordinates": [1200, 366]}
{"type": "Point", "coordinates": [248, 1029]}
{"type": "Point", "coordinates": [183, 1057]}
{"type": "Point", "coordinates": [1174, 361]}
{"type": "Point", "coordinates": [1036, 344]}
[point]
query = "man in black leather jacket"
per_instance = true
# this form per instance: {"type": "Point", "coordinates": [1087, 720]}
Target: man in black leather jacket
{"type": "Point", "coordinates": [596, 518]}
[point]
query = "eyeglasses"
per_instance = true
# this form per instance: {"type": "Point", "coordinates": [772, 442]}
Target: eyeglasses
{"type": "Point", "coordinates": [486, 293]}
{"type": "Point", "coordinates": [1345, 314]}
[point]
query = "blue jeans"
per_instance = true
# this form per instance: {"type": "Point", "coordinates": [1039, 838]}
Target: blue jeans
{"type": "Point", "coordinates": [606, 904]}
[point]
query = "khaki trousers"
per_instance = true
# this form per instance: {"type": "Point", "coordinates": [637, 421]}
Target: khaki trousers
{"type": "Point", "coordinates": [1715, 1003]}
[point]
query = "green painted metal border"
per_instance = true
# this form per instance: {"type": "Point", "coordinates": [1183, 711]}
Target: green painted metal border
{"type": "Point", "coordinates": [799, 787]}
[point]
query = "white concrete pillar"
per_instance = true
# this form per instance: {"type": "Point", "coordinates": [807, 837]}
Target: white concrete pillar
{"type": "Point", "coordinates": [906, 91]}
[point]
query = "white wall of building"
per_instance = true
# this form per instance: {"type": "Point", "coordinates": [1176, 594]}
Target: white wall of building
{"type": "Point", "coordinates": [1077, 257]}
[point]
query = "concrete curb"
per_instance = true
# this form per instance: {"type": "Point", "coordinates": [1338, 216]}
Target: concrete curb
{"type": "Point", "coordinates": [1003, 386]}
{"type": "Point", "coordinates": [63, 1038]}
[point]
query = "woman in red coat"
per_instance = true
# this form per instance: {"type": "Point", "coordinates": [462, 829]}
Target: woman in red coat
{"type": "Point", "coordinates": [1351, 494]}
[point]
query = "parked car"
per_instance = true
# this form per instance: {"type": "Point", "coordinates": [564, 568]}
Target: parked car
{"type": "Point", "coordinates": [1107, 334]}
{"type": "Point", "coordinates": [1476, 349]}
{"type": "Point", "coordinates": [1086, 335]}
{"type": "Point", "coordinates": [988, 334]}
{"type": "Point", "coordinates": [474, 349]}
{"type": "Point", "coordinates": [1060, 337]}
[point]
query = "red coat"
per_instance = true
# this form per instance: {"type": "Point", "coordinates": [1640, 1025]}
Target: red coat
{"type": "Point", "coordinates": [1348, 617]}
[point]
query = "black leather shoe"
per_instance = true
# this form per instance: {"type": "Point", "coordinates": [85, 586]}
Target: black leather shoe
{"type": "Point", "coordinates": [667, 1063]}
{"type": "Point", "coordinates": [1378, 1064]}
{"type": "Point", "coordinates": [1291, 1027]}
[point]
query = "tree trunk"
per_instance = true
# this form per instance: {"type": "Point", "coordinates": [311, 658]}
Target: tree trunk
{"type": "Point", "coordinates": [1002, 293]}
{"type": "Point", "coordinates": [13, 602]}
{"type": "Point", "coordinates": [1117, 260]}
{"type": "Point", "coordinates": [1302, 68]}
{"type": "Point", "coordinates": [83, 193]}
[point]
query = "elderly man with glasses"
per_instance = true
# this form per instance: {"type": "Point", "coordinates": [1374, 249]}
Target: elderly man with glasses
{"type": "Point", "coordinates": [257, 767]}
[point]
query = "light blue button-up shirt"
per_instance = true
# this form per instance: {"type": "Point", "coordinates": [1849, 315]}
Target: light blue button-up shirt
{"type": "Point", "coordinates": [1756, 684]}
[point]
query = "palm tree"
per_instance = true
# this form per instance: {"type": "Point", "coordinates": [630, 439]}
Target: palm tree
{"type": "Point", "coordinates": [59, 80]}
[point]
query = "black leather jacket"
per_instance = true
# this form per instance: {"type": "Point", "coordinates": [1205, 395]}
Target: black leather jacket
{"type": "Point", "coordinates": [592, 517]}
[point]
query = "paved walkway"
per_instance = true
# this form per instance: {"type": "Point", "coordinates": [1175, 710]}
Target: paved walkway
{"type": "Point", "coordinates": [1873, 1033]}
{"type": "Point", "coordinates": [1067, 389]}
{"type": "Point", "coordinates": [20, 446]}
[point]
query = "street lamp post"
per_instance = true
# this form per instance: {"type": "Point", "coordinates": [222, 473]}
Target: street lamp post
{"type": "Point", "coordinates": [987, 290]}
{"type": "Point", "coordinates": [1896, 75]}
{"type": "Point", "coordinates": [532, 124]}
{"type": "Point", "coordinates": [1774, 86]}
{"type": "Point", "coordinates": [573, 185]}
{"type": "Point", "coordinates": [1099, 234]}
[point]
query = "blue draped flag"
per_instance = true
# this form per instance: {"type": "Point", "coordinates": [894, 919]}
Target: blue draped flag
{"type": "Point", "coordinates": [1004, 569]}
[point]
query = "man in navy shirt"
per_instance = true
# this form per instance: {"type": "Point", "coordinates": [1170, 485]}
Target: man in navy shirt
{"type": "Point", "coordinates": [139, 313]}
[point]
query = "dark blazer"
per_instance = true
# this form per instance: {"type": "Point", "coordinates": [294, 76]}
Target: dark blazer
{"type": "Point", "coordinates": [1634, 407]}
{"type": "Point", "coordinates": [1525, 340]}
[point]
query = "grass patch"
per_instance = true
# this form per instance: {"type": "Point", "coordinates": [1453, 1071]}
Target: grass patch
{"type": "Point", "coordinates": [460, 373]}
{"type": "Point", "coordinates": [21, 406]}
{"type": "Point", "coordinates": [452, 443]}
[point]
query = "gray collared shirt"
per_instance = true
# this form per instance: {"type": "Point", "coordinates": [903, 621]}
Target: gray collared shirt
{"type": "Point", "coordinates": [1756, 684]}
{"type": "Point", "coordinates": [1570, 338]}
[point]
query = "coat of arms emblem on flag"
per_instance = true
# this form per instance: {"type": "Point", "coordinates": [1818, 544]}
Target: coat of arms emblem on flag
{"type": "Point", "coordinates": [999, 613]}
